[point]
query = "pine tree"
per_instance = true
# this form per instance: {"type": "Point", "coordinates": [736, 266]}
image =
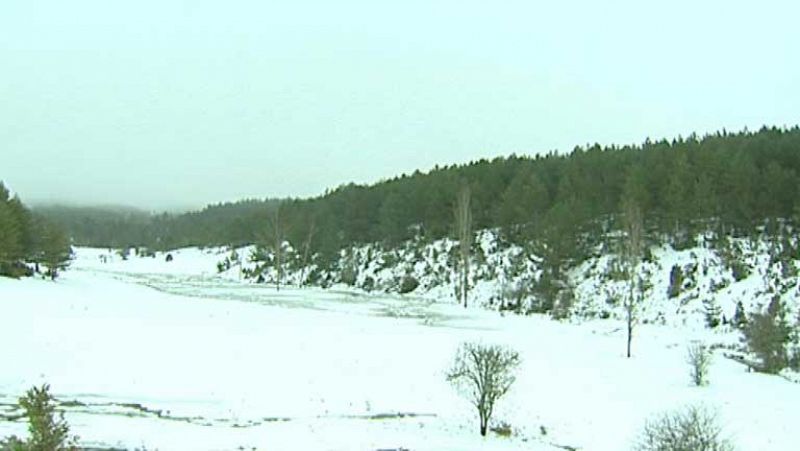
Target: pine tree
{"type": "Point", "coordinates": [768, 335]}
{"type": "Point", "coordinates": [25, 223]}
{"type": "Point", "coordinates": [56, 251]}
{"type": "Point", "coordinates": [739, 316]}
{"type": "Point", "coordinates": [393, 217]}
{"type": "Point", "coordinates": [47, 428]}
{"type": "Point", "coordinates": [10, 246]}
{"type": "Point", "coordinates": [524, 202]}
{"type": "Point", "coordinates": [713, 313]}
{"type": "Point", "coordinates": [675, 282]}
{"type": "Point", "coordinates": [678, 201]}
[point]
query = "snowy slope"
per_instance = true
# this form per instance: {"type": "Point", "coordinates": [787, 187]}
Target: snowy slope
{"type": "Point", "coordinates": [500, 270]}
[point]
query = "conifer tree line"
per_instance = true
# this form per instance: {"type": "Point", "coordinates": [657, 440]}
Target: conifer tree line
{"type": "Point", "coordinates": [557, 205]}
{"type": "Point", "coordinates": [28, 241]}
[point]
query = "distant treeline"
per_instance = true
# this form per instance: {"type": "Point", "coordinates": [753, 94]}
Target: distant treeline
{"type": "Point", "coordinates": [731, 181]}
{"type": "Point", "coordinates": [27, 240]}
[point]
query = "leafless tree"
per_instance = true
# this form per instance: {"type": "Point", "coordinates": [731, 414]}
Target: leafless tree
{"type": "Point", "coordinates": [463, 225]}
{"type": "Point", "coordinates": [276, 238]}
{"type": "Point", "coordinates": [633, 250]}
{"type": "Point", "coordinates": [483, 373]}
{"type": "Point", "coordinates": [698, 356]}
{"type": "Point", "coordinates": [306, 250]}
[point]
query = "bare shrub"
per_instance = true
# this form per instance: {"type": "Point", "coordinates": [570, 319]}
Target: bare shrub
{"type": "Point", "coordinates": [692, 429]}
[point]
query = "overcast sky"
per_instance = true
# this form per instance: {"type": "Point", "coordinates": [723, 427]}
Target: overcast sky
{"type": "Point", "coordinates": [161, 104]}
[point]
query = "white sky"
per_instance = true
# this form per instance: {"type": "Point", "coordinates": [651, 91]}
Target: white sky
{"type": "Point", "coordinates": [158, 103]}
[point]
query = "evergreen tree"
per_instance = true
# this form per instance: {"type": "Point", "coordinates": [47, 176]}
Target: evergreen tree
{"type": "Point", "coordinates": [523, 202]}
{"type": "Point", "coordinates": [10, 245]}
{"type": "Point", "coordinates": [678, 200]}
{"type": "Point", "coordinates": [739, 316]}
{"type": "Point", "coordinates": [56, 251]}
{"type": "Point", "coordinates": [675, 281]}
{"type": "Point", "coordinates": [768, 335]}
{"type": "Point", "coordinates": [394, 217]}
{"type": "Point", "coordinates": [704, 199]}
{"type": "Point", "coordinates": [713, 313]}
{"type": "Point", "coordinates": [26, 227]}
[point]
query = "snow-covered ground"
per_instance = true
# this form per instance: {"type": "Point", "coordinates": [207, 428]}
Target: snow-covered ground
{"type": "Point", "coordinates": [171, 356]}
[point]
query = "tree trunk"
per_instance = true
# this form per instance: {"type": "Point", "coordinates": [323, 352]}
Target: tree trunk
{"type": "Point", "coordinates": [630, 337]}
{"type": "Point", "coordinates": [630, 316]}
{"type": "Point", "coordinates": [277, 230]}
{"type": "Point", "coordinates": [465, 281]}
{"type": "Point", "coordinates": [305, 254]}
{"type": "Point", "coordinates": [463, 222]}
{"type": "Point", "coordinates": [278, 254]}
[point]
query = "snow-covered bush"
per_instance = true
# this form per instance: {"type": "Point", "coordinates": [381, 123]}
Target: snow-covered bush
{"type": "Point", "coordinates": [692, 429]}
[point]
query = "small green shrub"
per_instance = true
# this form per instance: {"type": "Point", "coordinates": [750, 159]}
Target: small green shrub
{"type": "Point", "coordinates": [739, 316]}
{"type": "Point", "coordinates": [348, 274]}
{"type": "Point", "coordinates": [740, 270]}
{"type": "Point", "coordinates": [369, 284]}
{"type": "Point", "coordinates": [47, 428]}
{"type": "Point", "coordinates": [713, 313]}
{"type": "Point", "coordinates": [408, 284]}
{"type": "Point", "coordinates": [675, 282]}
{"type": "Point", "coordinates": [503, 429]}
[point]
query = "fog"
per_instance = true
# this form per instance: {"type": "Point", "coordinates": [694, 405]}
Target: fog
{"type": "Point", "coordinates": [166, 104]}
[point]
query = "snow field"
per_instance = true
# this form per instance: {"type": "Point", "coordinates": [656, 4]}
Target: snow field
{"type": "Point", "coordinates": [229, 370]}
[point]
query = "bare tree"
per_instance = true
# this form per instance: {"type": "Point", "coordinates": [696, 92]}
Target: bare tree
{"type": "Point", "coordinates": [698, 356]}
{"type": "Point", "coordinates": [306, 250]}
{"type": "Point", "coordinates": [276, 237]}
{"type": "Point", "coordinates": [483, 373]}
{"type": "Point", "coordinates": [463, 224]}
{"type": "Point", "coordinates": [633, 250]}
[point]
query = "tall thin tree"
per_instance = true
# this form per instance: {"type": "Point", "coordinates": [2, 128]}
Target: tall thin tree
{"type": "Point", "coordinates": [633, 250]}
{"type": "Point", "coordinates": [276, 225]}
{"type": "Point", "coordinates": [306, 250]}
{"type": "Point", "coordinates": [463, 224]}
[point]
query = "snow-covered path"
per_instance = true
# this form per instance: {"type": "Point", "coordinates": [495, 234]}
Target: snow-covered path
{"type": "Point", "coordinates": [171, 357]}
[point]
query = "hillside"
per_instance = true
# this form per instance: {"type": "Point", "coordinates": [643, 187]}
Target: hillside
{"type": "Point", "coordinates": [717, 219]}
{"type": "Point", "coordinates": [714, 277]}
{"type": "Point", "coordinates": [735, 181]}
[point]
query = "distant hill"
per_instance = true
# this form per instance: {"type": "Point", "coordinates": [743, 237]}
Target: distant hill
{"type": "Point", "coordinates": [734, 182]}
